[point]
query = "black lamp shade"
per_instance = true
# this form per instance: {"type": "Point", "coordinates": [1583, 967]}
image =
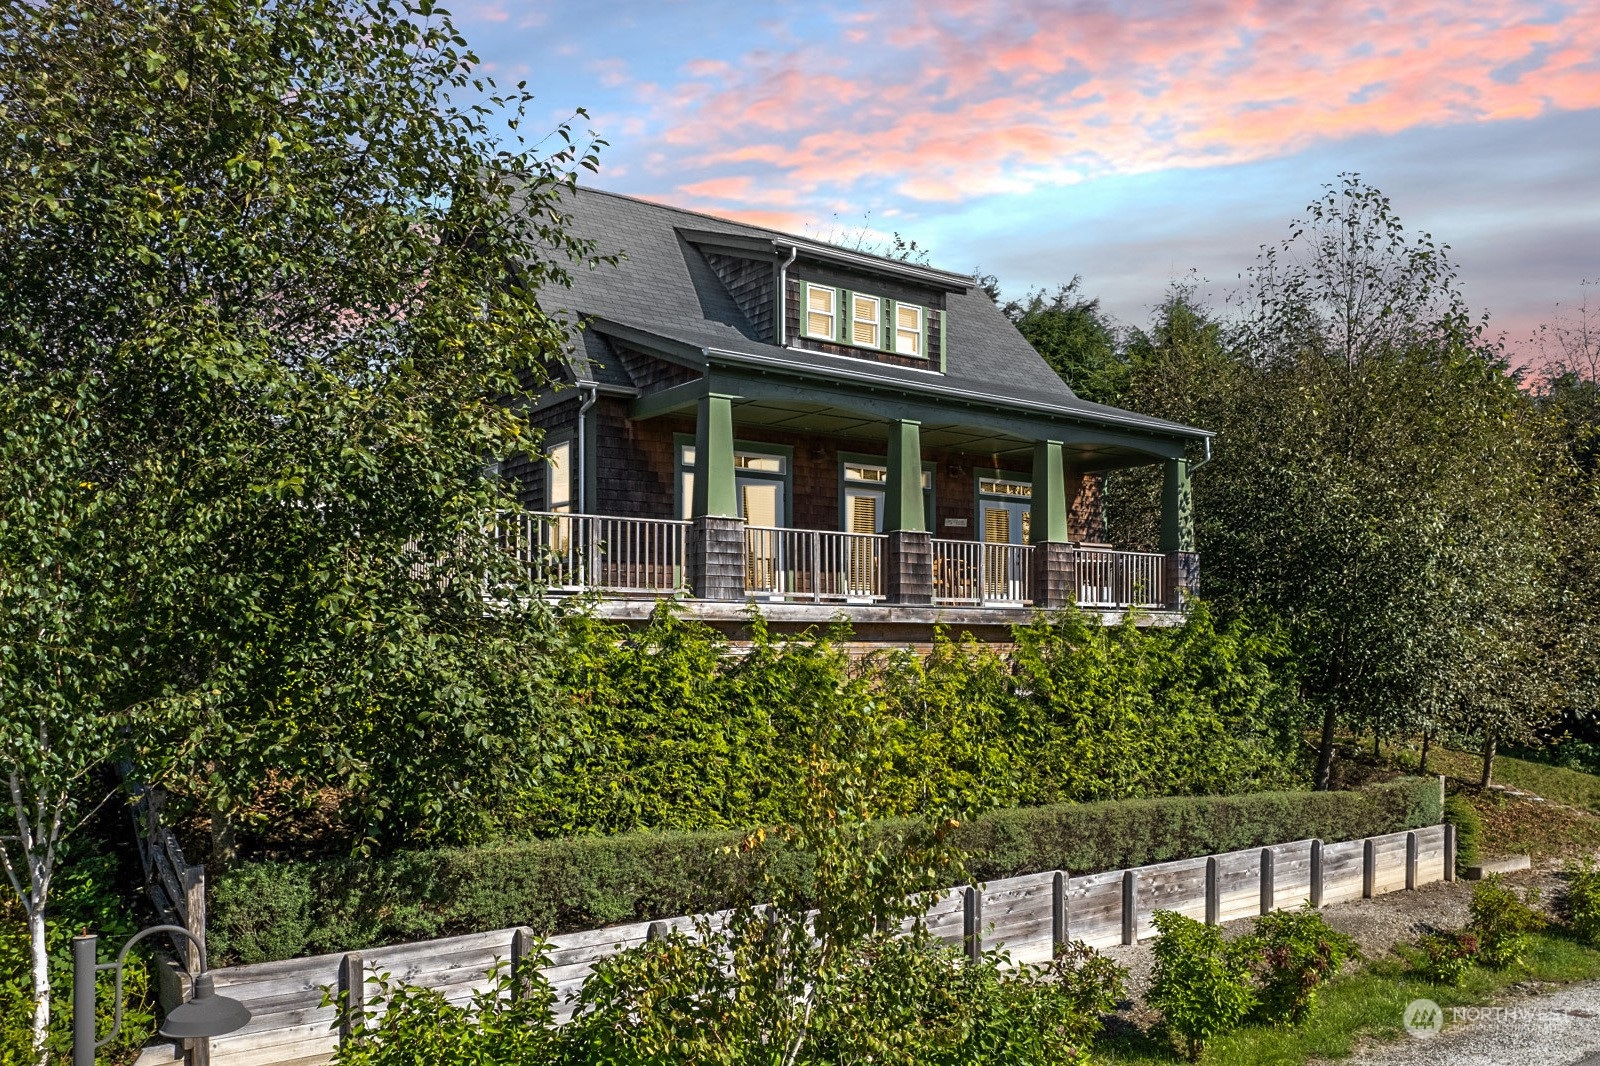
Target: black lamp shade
{"type": "Point", "coordinates": [206, 1014]}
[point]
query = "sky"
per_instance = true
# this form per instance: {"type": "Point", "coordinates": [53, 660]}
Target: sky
{"type": "Point", "coordinates": [1135, 143]}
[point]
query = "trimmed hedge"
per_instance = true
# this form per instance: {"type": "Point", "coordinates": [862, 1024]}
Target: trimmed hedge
{"type": "Point", "coordinates": [266, 911]}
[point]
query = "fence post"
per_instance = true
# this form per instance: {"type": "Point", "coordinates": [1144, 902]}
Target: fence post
{"type": "Point", "coordinates": [1268, 876]}
{"type": "Point", "coordinates": [1059, 929]}
{"type": "Point", "coordinates": [521, 941]}
{"type": "Point", "coordinates": [1369, 868]}
{"type": "Point", "coordinates": [353, 995]}
{"type": "Point", "coordinates": [657, 931]}
{"type": "Point", "coordinates": [1130, 907]}
{"type": "Point", "coordinates": [194, 914]}
{"type": "Point", "coordinates": [1213, 892]}
{"type": "Point", "coordinates": [1411, 862]}
{"type": "Point", "coordinates": [1449, 851]}
{"type": "Point", "coordinates": [1316, 874]}
{"type": "Point", "coordinates": [972, 923]}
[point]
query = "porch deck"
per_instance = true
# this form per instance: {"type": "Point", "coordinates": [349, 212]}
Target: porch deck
{"type": "Point", "coordinates": [639, 558]}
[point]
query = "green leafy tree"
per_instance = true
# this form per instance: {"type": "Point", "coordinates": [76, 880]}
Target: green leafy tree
{"type": "Point", "coordinates": [1075, 336]}
{"type": "Point", "coordinates": [1376, 484]}
{"type": "Point", "coordinates": [1201, 983]}
{"type": "Point", "coordinates": [265, 277]}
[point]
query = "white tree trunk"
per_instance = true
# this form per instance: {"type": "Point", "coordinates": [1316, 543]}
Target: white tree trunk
{"type": "Point", "coordinates": [41, 977]}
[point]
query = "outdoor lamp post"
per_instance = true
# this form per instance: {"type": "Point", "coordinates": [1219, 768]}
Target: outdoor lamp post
{"type": "Point", "coordinates": [205, 1015]}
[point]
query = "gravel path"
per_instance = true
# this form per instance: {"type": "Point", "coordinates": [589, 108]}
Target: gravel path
{"type": "Point", "coordinates": [1555, 1029]}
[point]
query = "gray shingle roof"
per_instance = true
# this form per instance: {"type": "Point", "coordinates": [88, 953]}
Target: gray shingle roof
{"type": "Point", "coordinates": [666, 287]}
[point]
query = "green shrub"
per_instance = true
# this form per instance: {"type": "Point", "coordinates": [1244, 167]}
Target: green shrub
{"type": "Point", "coordinates": [1299, 952]}
{"type": "Point", "coordinates": [1201, 983]}
{"type": "Point", "coordinates": [265, 911]}
{"type": "Point", "coordinates": [1446, 957]}
{"type": "Point", "coordinates": [1469, 830]}
{"type": "Point", "coordinates": [1503, 922]}
{"type": "Point", "coordinates": [1581, 904]}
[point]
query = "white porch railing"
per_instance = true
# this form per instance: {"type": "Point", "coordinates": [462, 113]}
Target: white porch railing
{"type": "Point", "coordinates": [975, 572]}
{"type": "Point", "coordinates": [580, 551]}
{"type": "Point", "coordinates": [813, 564]}
{"type": "Point", "coordinates": [1121, 579]}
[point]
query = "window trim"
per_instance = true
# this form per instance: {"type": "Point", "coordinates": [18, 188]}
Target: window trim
{"type": "Point", "coordinates": [876, 321]}
{"type": "Point", "coordinates": [680, 441]}
{"type": "Point", "coordinates": [930, 491]}
{"type": "Point", "coordinates": [805, 311]}
{"type": "Point", "coordinates": [548, 446]}
{"type": "Point", "coordinates": [921, 330]}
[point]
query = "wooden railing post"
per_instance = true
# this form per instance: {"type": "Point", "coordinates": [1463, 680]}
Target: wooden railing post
{"type": "Point", "coordinates": [521, 941]}
{"type": "Point", "coordinates": [1268, 877]}
{"type": "Point", "coordinates": [1369, 868]}
{"type": "Point", "coordinates": [1130, 907]}
{"type": "Point", "coordinates": [1316, 874]}
{"type": "Point", "coordinates": [972, 924]}
{"type": "Point", "coordinates": [352, 995]}
{"type": "Point", "coordinates": [1411, 862]}
{"type": "Point", "coordinates": [1059, 929]}
{"type": "Point", "coordinates": [1213, 892]}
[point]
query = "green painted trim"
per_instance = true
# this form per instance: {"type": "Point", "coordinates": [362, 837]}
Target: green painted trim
{"type": "Point", "coordinates": [668, 401]}
{"type": "Point", "coordinates": [714, 491]}
{"type": "Point", "coordinates": [846, 318]}
{"type": "Point", "coordinates": [944, 332]}
{"type": "Point", "coordinates": [930, 494]}
{"type": "Point", "coordinates": [1049, 521]}
{"type": "Point", "coordinates": [805, 310]}
{"type": "Point", "coordinates": [784, 451]}
{"type": "Point", "coordinates": [893, 401]}
{"type": "Point", "coordinates": [886, 329]}
{"type": "Point", "coordinates": [903, 505]}
{"type": "Point", "coordinates": [1177, 507]}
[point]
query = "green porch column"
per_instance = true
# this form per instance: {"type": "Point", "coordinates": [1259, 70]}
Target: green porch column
{"type": "Point", "coordinates": [1048, 521]}
{"type": "Point", "coordinates": [1177, 508]}
{"type": "Point", "coordinates": [714, 492]}
{"type": "Point", "coordinates": [903, 510]}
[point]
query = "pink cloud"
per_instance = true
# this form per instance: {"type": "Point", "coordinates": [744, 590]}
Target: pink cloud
{"type": "Point", "coordinates": [947, 99]}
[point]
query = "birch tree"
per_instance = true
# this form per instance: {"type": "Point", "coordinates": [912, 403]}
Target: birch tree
{"type": "Point", "coordinates": [267, 273]}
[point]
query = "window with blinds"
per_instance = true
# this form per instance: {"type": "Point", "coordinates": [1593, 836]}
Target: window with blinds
{"type": "Point", "coordinates": [908, 329]}
{"type": "Point", "coordinates": [866, 313]}
{"type": "Point", "coordinates": [863, 513]}
{"type": "Point", "coordinates": [996, 525]}
{"type": "Point", "coordinates": [821, 311]}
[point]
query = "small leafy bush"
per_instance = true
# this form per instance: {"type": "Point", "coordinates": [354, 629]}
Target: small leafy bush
{"type": "Point", "coordinates": [1503, 922]}
{"type": "Point", "coordinates": [1446, 957]}
{"type": "Point", "coordinates": [1299, 952]}
{"type": "Point", "coordinates": [1581, 905]}
{"type": "Point", "coordinates": [1469, 830]}
{"type": "Point", "coordinates": [1202, 983]}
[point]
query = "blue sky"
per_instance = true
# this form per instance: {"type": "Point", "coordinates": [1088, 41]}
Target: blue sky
{"type": "Point", "coordinates": [1131, 143]}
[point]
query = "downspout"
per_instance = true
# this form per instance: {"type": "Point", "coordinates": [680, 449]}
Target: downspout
{"type": "Point", "coordinates": [583, 445]}
{"type": "Point", "coordinates": [782, 332]}
{"type": "Point", "coordinates": [1204, 461]}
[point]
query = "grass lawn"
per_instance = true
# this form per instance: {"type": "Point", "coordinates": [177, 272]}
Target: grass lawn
{"type": "Point", "coordinates": [1365, 1003]}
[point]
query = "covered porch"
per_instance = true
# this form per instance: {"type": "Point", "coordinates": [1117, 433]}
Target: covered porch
{"type": "Point", "coordinates": [814, 492]}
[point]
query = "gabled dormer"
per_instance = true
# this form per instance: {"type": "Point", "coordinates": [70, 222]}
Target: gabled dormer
{"type": "Point", "coordinates": [822, 298]}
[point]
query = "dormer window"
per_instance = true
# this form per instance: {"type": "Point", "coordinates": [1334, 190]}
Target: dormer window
{"type": "Point", "coordinates": [866, 317]}
{"type": "Point", "coordinates": [822, 310]}
{"type": "Point", "coordinates": [908, 329]}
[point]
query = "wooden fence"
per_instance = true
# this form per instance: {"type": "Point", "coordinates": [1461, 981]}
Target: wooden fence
{"type": "Point", "coordinates": [1026, 915]}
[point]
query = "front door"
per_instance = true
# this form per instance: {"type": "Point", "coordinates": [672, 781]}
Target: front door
{"type": "Point", "coordinates": [1005, 510]}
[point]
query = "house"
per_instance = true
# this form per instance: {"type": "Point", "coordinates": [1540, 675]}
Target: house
{"type": "Point", "coordinates": [752, 416]}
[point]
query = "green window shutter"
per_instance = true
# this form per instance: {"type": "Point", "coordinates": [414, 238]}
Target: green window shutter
{"type": "Point", "coordinates": [944, 332]}
{"type": "Point", "coordinates": [847, 314]}
{"type": "Point", "coordinates": [886, 335]}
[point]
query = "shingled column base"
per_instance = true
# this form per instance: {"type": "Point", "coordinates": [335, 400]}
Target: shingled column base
{"type": "Point", "coordinates": [1182, 578]}
{"type": "Point", "coordinates": [716, 558]}
{"type": "Point", "coordinates": [908, 567]}
{"type": "Point", "coordinates": [1055, 575]}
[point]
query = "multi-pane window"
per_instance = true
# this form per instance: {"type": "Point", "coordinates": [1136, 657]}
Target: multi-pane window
{"type": "Point", "coordinates": [908, 329]}
{"type": "Point", "coordinates": [822, 311]}
{"type": "Point", "coordinates": [558, 477]}
{"type": "Point", "coordinates": [866, 313]}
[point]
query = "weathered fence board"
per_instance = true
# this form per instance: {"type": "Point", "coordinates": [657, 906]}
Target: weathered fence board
{"type": "Point", "coordinates": [1019, 914]}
